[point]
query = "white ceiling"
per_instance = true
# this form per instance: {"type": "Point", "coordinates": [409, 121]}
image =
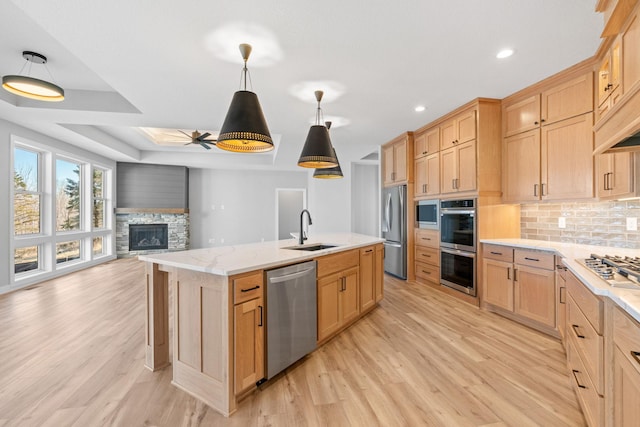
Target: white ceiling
{"type": "Point", "coordinates": [129, 64]}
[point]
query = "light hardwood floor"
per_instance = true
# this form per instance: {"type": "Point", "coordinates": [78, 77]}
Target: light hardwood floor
{"type": "Point", "coordinates": [72, 353]}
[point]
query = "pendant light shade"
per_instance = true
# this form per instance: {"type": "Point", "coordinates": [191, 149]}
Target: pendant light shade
{"type": "Point", "coordinates": [329, 173]}
{"type": "Point", "coordinates": [318, 151]}
{"type": "Point", "coordinates": [30, 87]}
{"type": "Point", "coordinates": [245, 129]}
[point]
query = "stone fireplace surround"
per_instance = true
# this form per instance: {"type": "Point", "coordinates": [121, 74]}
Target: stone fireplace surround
{"type": "Point", "coordinates": [177, 221]}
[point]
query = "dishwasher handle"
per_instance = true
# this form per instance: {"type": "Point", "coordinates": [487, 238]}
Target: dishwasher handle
{"type": "Point", "coordinates": [280, 279]}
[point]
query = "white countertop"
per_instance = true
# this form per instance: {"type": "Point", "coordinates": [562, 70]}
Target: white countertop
{"type": "Point", "coordinates": [627, 299]}
{"type": "Point", "coordinates": [230, 260]}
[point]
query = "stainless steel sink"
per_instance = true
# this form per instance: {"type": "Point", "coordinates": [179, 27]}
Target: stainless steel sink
{"type": "Point", "coordinates": [315, 247]}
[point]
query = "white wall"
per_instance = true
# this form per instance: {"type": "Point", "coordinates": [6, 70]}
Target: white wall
{"type": "Point", "coordinates": [236, 206]}
{"type": "Point", "coordinates": [7, 129]}
{"type": "Point", "coordinates": [365, 199]}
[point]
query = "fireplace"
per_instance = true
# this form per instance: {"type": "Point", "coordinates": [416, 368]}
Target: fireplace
{"type": "Point", "coordinates": [144, 237]}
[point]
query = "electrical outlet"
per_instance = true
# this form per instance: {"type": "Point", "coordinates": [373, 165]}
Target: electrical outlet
{"type": "Point", "coordinates": [562, 222]}
{"type": "Point", "coordinates": [632, 224]}
{"type": "Point", "coordinates": [212, 240]}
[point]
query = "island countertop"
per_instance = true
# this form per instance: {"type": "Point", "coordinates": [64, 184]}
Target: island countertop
{"type": "Point", "coordinates": [231, 260]}
{"type": "Point", "coordinates": [627, 299]}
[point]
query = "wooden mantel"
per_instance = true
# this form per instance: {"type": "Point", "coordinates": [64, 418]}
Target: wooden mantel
{"type": "Point", "coordinates": [152, 210]}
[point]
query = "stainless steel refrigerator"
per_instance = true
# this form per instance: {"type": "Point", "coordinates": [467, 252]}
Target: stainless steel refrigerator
{"type": "Point", "coordinates": [394, 230]}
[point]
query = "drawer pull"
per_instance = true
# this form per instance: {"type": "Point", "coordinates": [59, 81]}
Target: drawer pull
{"type": "Point", "coordinates": [532, 259]}
{"type": "Point", "coordinates": [575, 331]}
{"type": "Point", "coordinates": [508, 273]}
{"type": "Point", "coordinates": [426, 255]}
{"type": "Point", "coordinates": [426, 272]}
{"type": "Point", "coordinates": [368, 251]}
{"type": "Point", "coordinates": [250, 289]}
{"type": "Point", "coordinates": [576, 378]}
{"type": "Point", "coordinates": [495, 253]}
{"type": "Point", "coordinates": [260, 324]}
{"type": "Point", "coordinates": [426, 238]}
{"type": "Point", "coordinates": [563, 300]}
{"type": "Point", "coordinates": [636, 355]}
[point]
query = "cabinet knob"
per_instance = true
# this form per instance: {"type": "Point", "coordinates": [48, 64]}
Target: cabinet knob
{"type": "Point", "coordinates": [536, 123]}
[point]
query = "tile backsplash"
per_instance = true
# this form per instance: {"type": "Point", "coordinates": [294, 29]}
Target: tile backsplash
{"type": "Point", "coordinates": [589, 223]}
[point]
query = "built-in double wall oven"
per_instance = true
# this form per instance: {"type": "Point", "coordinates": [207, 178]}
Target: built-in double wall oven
{"type": "Point", "coordinates": [458, 231]}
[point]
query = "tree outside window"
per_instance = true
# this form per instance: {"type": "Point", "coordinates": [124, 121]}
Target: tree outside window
{"type": "Point", "coordinates": [67, 196]}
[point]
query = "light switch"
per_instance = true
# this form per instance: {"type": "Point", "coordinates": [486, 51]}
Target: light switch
{"type": "Point", "coordinates": [562, 222]}
{"type": "Point", "coordinates": [632, 224]}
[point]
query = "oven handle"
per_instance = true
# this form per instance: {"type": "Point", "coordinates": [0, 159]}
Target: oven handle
{"type": "Point", "coordinates": [458, 252]}
{"type": "Point", "coordinates": [446, 211]}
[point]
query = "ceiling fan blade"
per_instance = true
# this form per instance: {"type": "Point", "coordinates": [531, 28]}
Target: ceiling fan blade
{"type": "Point", "coordinates": [205, 146]}
{"type": "Point", "coordinates": [203, 136]}
{"type": "Point", "coordinates": [185, 134]}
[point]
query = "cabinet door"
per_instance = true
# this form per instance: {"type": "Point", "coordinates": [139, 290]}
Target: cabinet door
{"type": "Point", "coordinates": [521, 167]}
{"type": "Point", "coordinates": [378, 273]}
{"type": "Point", "coordinates": [631, 53]}
{"type": "Point", "coordinates": [448, 134]}
{"type": "Point", "coordinates": [367, 278]}
{"type": "Point", "coordinates": [433, 140]}
{"type": "Point", "coordinates": [388, 164]}
{"type": "Point", "coordinates": [420, 145]}
{"type": "Point", "coordinates": [349, 299]}
{"type": "Point", "coordinates": [567, 159]}
{"type": "Point", "coordinates": [568, 99]}
{"type": "Point", "coordinates": [329, 290]}
{"type": "Point", "coordinates": [466, 127]}
{"type": "Point", "coordinates": [400, 161]}
{"type": "Point", "coordinates": [248, 344]}
{"type": "Point", "coordinates": [421, 176]}
{"type": "Point", "coordinates": [561, 299]}
{"type": "Point", "coordinates": [521, 116]}
{"type": "Point", "coordinates": [433, 174]}
{"type": "Point", "coordinates": [497, 281]}
{"type": "Point", "coordinates": [534, 295]}
{"type": "Point", "coordinates": [466, 166]}
{"type": "Point", "coordinates": [626, 394]}
{"type": "Point", "coordinates": [615, 174]}
{"type": "Point", "coordinates": [448, 166]}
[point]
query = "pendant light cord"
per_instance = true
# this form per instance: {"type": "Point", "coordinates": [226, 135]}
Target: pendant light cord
{"type": "Point", "coordinates": [319, 115]}
{"type": "Point", "coordinates": [244, 74]}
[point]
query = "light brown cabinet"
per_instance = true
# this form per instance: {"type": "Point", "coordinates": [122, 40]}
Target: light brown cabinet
{"type": "Point", "coordinates": [426, 143]}
{"type": "Point", "coordinates": [371, 289]}
{"type": "Point", "coordinates": [338, 292]}
{"type": "Point", "coordinates": [561, 299]}
{"type": "Point", "coordinates": [458, 168]}
{"type": "Point", "coordinates": [397, 155]}
{"type": "Point", "coordinates": [585, 348]}
{"type": "Point", "coordinates": [427, 256]}
{"type": "Point", "coordinates": [521, 282]}
{"type": "Point", "coordinates": [609, 79]}
{"type": "Point", "coordinates": [615, 175]}
{"type": "Point", "coordinates": [427, 175]}
{"type": "Point", "coordinates": [626, 370]}
{"type": "Point", "coordinates": [458, 130]}
{"type": "Point", "coordinates": [554, 162]}
{"type": "Point", "coordinates": [248, 330]}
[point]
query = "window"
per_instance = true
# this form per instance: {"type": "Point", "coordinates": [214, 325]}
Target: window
{"type": "Point", "coordinates": [61, 212]}
{"type": "Point", "coordinates": [98, 216]}
{"type": "Point", "coordinates": [68, 196]}
{"type": "Point", "coordinates": [27, 198]}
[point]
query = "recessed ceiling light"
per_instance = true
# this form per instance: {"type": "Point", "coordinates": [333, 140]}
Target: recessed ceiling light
{"type": "Point", "coordinates": [504, 53]}
{"type": "Point", "coordinates": [420, 108]}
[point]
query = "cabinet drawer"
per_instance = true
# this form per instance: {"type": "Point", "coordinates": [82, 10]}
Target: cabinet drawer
{"type": "Point", "coordinates": [592, 404]}
{"type": "Point", "coordinates": [498, 252]}
{"type": "Point", "coordinates": [589, 344]}
{"type": "Point", "coordinates": [330, 264]}
{"type": "Point", "coordinates": [544, 260]}
{"type": "Point", "coordinates": [429, 238]}
{"type": "Point", "coordinates": [428, 255]}
{"type": "Point", "coordinates": [626, 335]}
{"type": "Point", "coordinates": [430, 273]}
{"type": "Point", "coordinates": [248, 287]}
{"type": "Point", "coordinates": [590, 304]}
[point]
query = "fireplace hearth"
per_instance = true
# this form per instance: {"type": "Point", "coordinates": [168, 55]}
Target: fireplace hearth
{"type": "Point", "coordinates": [144, 237]}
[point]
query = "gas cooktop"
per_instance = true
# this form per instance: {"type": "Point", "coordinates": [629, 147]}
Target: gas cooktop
{"type": "Point", "coordinates": [617, 271]}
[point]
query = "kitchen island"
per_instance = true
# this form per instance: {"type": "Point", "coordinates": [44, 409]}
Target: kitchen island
{"type": "Point", "coordinates": [217, 307]}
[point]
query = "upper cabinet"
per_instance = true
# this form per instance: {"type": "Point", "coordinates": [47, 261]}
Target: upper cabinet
{"type": "Point", "coordinates": [615, 175]}
{"type": "Point", "coordinates": [458, 130]}
{"type": "Point", "coordinates": [426, 143]}
{"type": "Point", "coordinates": [397, 160]}
{"type": "Point", "coordinates": [548, 144]}
{"type": "Point", "coordinates": [609, 79]}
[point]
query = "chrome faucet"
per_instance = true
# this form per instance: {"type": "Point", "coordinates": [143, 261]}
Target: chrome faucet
{"type": "Point", "coordinates": [302, 237]}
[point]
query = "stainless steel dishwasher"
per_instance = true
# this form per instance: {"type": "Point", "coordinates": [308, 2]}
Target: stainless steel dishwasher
{"type": "Point", "coordinates": [291, 315]}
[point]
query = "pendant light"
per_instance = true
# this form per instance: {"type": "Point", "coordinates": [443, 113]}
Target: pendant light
{"type": "Point", "coordinates": [30, 87]}
{"type": "Point", "coordinates": [244, 129]}
{"type": "Point", "coordinates": [318, 151]}
{"type": "Point", "coordinates": [329, 173]}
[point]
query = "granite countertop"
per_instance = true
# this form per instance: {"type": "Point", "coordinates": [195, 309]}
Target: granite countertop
{"type": "Point", "coordinates": [230, 260]}
{"type": "Point", "coordinates": [627, 299]}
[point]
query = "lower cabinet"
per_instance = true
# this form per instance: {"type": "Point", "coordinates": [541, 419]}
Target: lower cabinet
{"type": "Point", "coordinates": [626, 370]}
{"type": "Point", "coordinates": [561, 299]}
{"type": "Point", "coordinates": [371, 259]}
{"type": "Point", "coordinates": [427, 256]}
{"type": "Point", "coordinates": [338, 292]}
{"type": "Point", "coordinates": [248, 330]}
{"type": "Point", "coordinates": [521, 282]}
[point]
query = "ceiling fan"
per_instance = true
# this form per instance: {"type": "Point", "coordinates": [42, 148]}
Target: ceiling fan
{"type": "Point", "coordinates": [200, 139]}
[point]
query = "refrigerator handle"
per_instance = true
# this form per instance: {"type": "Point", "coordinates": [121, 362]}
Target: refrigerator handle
{"type": "Point", "coordinates": [402, 212]}
{"type": "Point", "coordinates": [387, 213]}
